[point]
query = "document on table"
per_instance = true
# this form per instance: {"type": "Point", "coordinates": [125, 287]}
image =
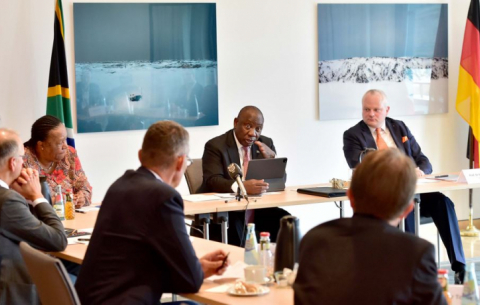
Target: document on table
{"type": "Point", "coordinates": [200, 197]}
{"type": "Point", "coordinates": [87, 209]}
{"type": "Point", "coordinates": [233, 271]}
{"type": "Point", "coordinates": [423, 180]}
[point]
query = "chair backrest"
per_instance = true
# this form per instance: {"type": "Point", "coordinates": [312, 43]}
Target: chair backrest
{"type": "Point", "coordinates": [194, 176]}
{"type": "Point", "coordinates": [50, 277]}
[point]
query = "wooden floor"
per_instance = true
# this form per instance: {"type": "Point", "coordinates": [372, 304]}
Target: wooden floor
{"type": "Point", "coordinates": [471, 245]}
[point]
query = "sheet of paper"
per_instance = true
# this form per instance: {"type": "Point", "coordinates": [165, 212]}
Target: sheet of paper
{"type": "Point", "coordinates": [225, 195]}
{"type": "Point", "coordinates": [87, 209]}
{"type": "Point", "coordinates": [423, 180]}
{"type": "Point", "coordinates": [199, 198]}
{"type": "Point", "coordinates": [220, 288]}
{"type": "Point", "coordinates": [74, 240]}
{"type": "Point", "coordinates": [233, 271]}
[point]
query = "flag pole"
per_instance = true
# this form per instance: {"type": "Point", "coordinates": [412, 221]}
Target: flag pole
{"type": "Point", "coordinates": [470, 231]}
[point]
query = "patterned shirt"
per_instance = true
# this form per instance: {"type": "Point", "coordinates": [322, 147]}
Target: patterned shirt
{"type": "Point", "coordinates": [68, 173]}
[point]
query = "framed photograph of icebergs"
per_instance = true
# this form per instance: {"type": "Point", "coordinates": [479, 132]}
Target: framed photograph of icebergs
{"type": "Point", "coordinates": [138, 63]}
{"type": "Point", "coordinates": [401, 49]}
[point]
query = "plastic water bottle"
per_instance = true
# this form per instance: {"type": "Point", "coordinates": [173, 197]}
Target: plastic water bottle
{"type": "Point", "coordinates": [69, 207]}
{"type": "Point", "coordinates": [59, 205]}
{"type": "Point", "coordinates": [470, 288]}
{"type": "Point", "coordinates": [266, 257]}
{"type": "Point", "coordinates": [251, 253]}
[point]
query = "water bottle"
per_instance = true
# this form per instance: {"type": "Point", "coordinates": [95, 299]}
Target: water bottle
{"type": "Point", "coordinates": [266, 257]}
{"type": "Point", "coordinates": [470, 289]}
{"type": "Point", "coordinates": [251, 253]}
{"type": "Point", "coordinates": [59, 205]}
{"type": "Point", "coordinates": [69, 207]}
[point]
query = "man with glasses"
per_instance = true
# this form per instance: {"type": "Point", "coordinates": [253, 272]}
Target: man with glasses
{"type": "Point", "coordinates": [140, 247]}
{"type": "Point", "coordinates": [20, 191]}
{"type": "Point", "coordinates": [240, 145]}
{"type": "Point", "coordinates": [379, 132]}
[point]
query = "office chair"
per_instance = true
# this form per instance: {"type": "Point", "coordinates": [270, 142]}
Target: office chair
{"type": "Point", "coordinates": [194, 176]}
{"type": "Point", "coordinates": [50, 277]}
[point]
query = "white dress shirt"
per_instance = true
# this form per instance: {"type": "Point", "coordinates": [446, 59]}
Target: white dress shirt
{"type": "Point", "coordinates": [385, 134]}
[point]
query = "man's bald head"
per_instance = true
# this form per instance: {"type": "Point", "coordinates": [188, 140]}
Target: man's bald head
{"type": "Point", "coordinates": [10, 144]}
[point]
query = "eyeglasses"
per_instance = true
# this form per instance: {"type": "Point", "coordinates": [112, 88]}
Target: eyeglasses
{"type": "Point", "coordinates": [189, 161]}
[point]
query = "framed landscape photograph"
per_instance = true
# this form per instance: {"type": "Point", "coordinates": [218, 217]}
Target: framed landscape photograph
{"type": "Point", "coordinates": [401, 49]}
{"type": "Point", "coordinates": [138, 63]}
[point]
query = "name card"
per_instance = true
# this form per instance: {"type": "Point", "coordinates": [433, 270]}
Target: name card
{"type": "Point", "coordinates": [456, 291]}
{"type": "Point", "coordinates": [469, 176]}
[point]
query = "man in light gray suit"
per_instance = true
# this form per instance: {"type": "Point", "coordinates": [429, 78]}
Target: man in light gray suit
{"type": "Point", "coordinates": [20, 188]}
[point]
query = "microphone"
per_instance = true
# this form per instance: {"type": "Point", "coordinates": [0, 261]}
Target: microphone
{"type": "Point", "coordinates": [365, 151]}
{"type": "Point", "coordinates": [236, 174]}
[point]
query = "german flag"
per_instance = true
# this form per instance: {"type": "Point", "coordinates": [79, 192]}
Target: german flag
{"type": "Point", "coordinates": [58, 98]}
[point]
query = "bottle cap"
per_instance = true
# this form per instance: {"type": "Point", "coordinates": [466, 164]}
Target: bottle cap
{"type": "Point", "coordinates": [265, 234]}
{"type": "Point", "coordinates": [251, 225]}
{"type": "Point", "coordinates": [442, 271]}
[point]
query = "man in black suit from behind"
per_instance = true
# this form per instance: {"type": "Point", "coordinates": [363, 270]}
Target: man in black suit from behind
{"type": "Point", "coordinates": [366, 259]}
{"type": "Point", "coordinates": [140, 247]}
{"type": "Point", "coordinates": [377, 131]}
{"type": "Point", "coordinates": [17, 223]}
{"type": "Point", "coordinates": [232, 147]}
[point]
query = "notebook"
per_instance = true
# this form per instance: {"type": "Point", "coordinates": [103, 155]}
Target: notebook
{"type": "Point", "coordinates": [323, 191]}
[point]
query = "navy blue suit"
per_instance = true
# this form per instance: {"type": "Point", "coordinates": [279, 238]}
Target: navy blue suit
{"type": "Point", "coordinates": [435, 205]}
{"type": "Point", "coordinates": [139, 248]}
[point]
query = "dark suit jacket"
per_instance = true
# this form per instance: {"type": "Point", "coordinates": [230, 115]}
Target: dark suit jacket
{"type": "Point", "coordinates": [139, 247]}
{"type": "Point", "coordinates": [18, 224]}
{"type": "Point", "coordinates": [361, 260]}
{"type": "Point", "coordinates": [218, 154]}
{"type": "Point", "coordinates": [359, 137]}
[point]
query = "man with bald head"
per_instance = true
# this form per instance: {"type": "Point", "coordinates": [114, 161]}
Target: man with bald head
{"type": "Point", "coordinates": [377, 131]}
{"type": "Point", "coordinates": [239, 145]}
{"type": "Point", "coordinates": [19, 189]}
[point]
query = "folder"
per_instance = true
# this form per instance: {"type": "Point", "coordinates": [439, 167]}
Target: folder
{"type": "Point", "coordinates": [323, 191]}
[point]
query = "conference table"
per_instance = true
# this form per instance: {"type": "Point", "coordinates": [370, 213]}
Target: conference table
{"type": "Point", "coordinates": [289, 197]}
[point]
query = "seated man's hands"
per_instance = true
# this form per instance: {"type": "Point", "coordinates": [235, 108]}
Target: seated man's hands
{"type": "Point", "coordinates": [255, 187]}
{"type": "Point", "coordinates": [212, 263]}
{"type": "Point", "coordinates": [265, 150]}
{"type": "Point", "coordinates": [419, 172]}
{"type": "Point", "coordinates": [28, 184]}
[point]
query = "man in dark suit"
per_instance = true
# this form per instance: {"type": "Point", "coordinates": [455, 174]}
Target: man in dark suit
{"type": "Point", "coordinates": [366, 259]}
{"type": "Point", "coordinates": [239, 145]}
{"type": "Point", "coordinates": [379, 132]}
{"type": "Point", "coordinates": [140, 247]}
{"type": "Point", "coordinates": [18, 224]}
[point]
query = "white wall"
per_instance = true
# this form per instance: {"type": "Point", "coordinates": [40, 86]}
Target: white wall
{"type": "Point", "coordinates": [267, 55]}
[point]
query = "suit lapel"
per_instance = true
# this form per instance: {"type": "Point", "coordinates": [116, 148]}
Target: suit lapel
{"type": "Point", "coordinates": [367, 135]}
{"type": "Point", "coordinates": [232, 148]}
{"type": "Point", "coordinates": [395, 132]}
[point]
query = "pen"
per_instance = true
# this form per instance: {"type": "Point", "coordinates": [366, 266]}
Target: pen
{"type": "Point", "coordinates": [84, 239]}
{"type": "Point", "coordinates": [441, 176]}
{"type": "Point", "coordinates": [224, 260]}
{"type": "Point", "coordinates": [80, 211]}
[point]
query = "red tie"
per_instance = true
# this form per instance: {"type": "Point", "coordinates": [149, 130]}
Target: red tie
{"type": "Point", "coordinates": [246, 159]}
{"type": "Point", "coordinates": [381, 144]}
{"type": "Point", "coordinates": [249, 214]}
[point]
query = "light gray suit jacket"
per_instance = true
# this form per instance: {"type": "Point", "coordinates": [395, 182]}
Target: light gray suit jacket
{"type": "Point", "coordinates": [17, 224]}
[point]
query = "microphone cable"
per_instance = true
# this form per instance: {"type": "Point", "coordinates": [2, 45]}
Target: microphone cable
{"type": "Point", "coordinates": [192, 227]}
{"type": "Point", "coordinates": [244, 222]}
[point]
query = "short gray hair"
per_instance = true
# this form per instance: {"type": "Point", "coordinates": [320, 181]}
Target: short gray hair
{"type": "Point", "coordinates": [163, 142]}
{"type": "Point", "coordinates": [375, 91]}
{"type": "Point", "coordinates": [8, 145]}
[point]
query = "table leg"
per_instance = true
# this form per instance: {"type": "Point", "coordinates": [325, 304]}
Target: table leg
{"type": "Point", "coordinates": [416, 201]}
{"type": "Point", "coordinates": [204, 220]}
{"type": "Point", "coordinates": [342, 210]}
{"type": "Point", "coordinates": [222, 218]}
